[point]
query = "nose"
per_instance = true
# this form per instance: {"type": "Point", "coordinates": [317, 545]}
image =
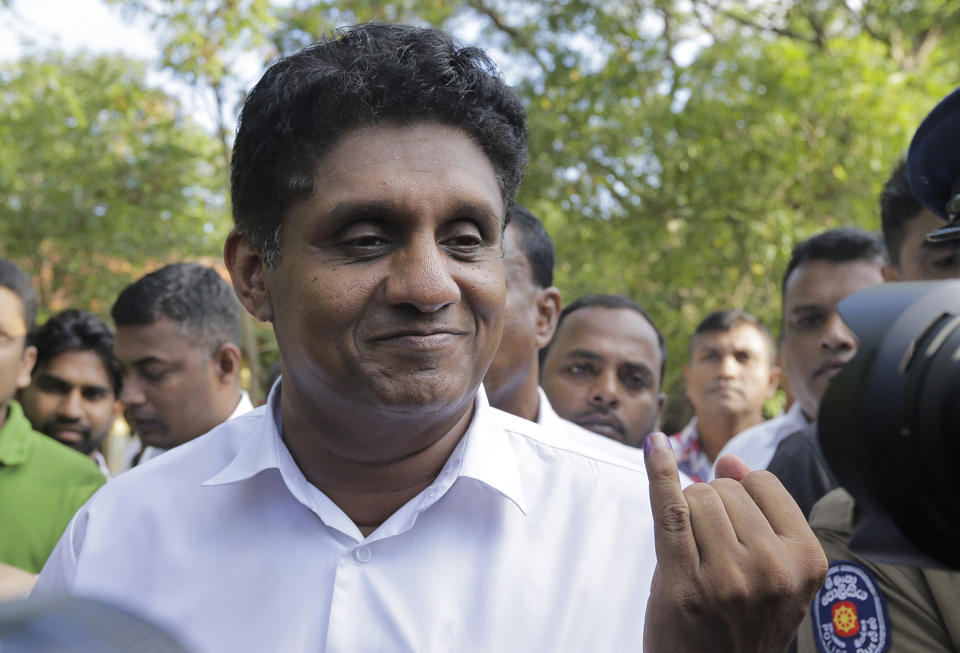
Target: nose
{"type": "Point", "coordinates": [603, 390]}
{"type": "Point", "coordinates": [837, 337]}
{"type": "Point", "coordinates": [132, 393]}
{"type": "Point", "coordinates": [420, 276]}
{"type": "Point", "coordinates": [728, 367]}
{"type": "Point", "coordinates": [71, 406]}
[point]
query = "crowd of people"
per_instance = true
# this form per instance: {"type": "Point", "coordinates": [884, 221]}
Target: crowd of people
{"type": "Point", "coordinates": [453, 457]}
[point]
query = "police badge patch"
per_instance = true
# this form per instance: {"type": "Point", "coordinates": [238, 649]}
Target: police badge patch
{"type": "Point", "coordinates": [850, 612]}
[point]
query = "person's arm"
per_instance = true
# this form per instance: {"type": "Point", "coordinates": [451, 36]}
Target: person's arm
{"type": "Point", "coordinates": [15, 583]}
{"type": "Point", "coordinates": [737, 564]}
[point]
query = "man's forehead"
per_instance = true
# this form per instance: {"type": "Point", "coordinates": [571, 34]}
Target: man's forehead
{"type": "Point", "coordinates": [742, 335]}
{"type": "Point", "coordinates": [162, 339]}
{"type": "Point", "coordinates": [824, 283]}
{"type": "Point", "coordinates": [616, 334]}
{"type": "Point", "coordinates": [12, 323]}
{"type": "Point", "coordinates": [76, 367]}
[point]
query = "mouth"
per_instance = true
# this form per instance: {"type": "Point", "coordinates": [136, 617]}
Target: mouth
{"type": "Point", "coordinates": [68, 434]}
{"type": "Point", "coordinates": [829, 370]}
{"type": "Point", "coordinates": [146, 426]}
{"type": "Point", "coordinates": [604, 424]}
{"type": "Point", "coordinates": [420, 341]}
{"type": "Point", "coordinates": [725, 390]}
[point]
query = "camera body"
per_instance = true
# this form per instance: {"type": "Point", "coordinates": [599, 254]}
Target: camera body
{"type": "Point", "coordinates": [889, 422]}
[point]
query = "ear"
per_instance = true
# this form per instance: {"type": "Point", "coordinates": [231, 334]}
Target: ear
{"type": "Point", "coordinates": [548, 304]}
{"type": "Point", "coordinates": [775, 375]}
{"type": "Point", "coordinates": [891, 273]}
{"type": "Point", "coordinates": [25, 367]}
{"type": "Point", "coordinates": [227, 363]}
{"type": "Point", "coordinates": [247, 269]}
{"type": "Point", "coordinates": [661, 404]}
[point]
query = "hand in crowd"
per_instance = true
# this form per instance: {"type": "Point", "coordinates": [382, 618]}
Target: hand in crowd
{"type": "Point", "coordinates": [15, 583]}
{"type": "Point", "coordinates": [737, 564]}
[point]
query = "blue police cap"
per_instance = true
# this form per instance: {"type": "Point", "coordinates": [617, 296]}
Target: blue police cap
{"type": "Point", "coordinates": [933, 161]}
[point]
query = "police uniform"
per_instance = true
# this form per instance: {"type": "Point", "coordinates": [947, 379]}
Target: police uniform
{"type": "Point", "coordinates": [875, 607]}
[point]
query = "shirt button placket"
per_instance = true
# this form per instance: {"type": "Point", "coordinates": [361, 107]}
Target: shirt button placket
{"type": "Point", "coordinates": [362, 554]}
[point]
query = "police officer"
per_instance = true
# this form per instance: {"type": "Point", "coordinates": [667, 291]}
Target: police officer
{"type": "Point", "coordinates": [869, 606]}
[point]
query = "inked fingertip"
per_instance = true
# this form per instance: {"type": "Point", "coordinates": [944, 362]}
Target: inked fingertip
{"type": "Point", "coordinates": [654, 441]}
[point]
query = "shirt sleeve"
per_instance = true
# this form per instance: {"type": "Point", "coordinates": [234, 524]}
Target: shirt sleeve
{"type": "Point", "coordinates": [59, 572]}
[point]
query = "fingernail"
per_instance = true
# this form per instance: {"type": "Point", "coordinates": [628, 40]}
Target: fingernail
{"type": "Point", "coordinates": [655, 440]}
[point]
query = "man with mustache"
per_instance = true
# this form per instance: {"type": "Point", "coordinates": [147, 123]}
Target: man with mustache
{"type": "Point", "coordinates": [75, 386]}
{"type": "Point", "coordinates": [731, 373]}
{"type": "Point", "coordinates": [532, 310]}
{"type": "Point", "coordinates": [603, 367]}
{"type": "Point", "coordinates": [377, 502]}
{"type": "Point", "coordinates": [815, 342]}
{"type": "Point", "coordinates": [178, 341]}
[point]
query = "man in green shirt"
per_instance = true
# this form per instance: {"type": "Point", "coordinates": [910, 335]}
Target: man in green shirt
{"type": "Point", "coordinates": [42, 482]}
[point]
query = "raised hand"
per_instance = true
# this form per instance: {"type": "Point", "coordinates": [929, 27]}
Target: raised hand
{"type": "Point", "coordinates": [737, 564]}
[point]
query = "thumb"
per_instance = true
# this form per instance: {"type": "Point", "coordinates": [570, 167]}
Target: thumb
{"type": "Point", "coordinates": [673, 532]}
{"type": "Point", "coordinates": [730, 466]}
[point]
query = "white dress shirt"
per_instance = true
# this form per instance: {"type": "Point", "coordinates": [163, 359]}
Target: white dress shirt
{"type": "Point", "coordinates": [524, 542]}
{"type": "Point", "coordinates": [757, 444]}
{"type": "Point", "coordinates": [243, 407]}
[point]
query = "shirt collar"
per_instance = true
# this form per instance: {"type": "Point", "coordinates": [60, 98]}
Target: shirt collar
{"type": "Point", "coordinates": [488, 456]}
{"type": "Point", "coordinates": [14, 436]}
{"type": "Point", "coordinates": [483, 454]}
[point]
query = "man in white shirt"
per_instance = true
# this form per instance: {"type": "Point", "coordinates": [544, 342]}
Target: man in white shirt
{"type": "Point", "coordinates": [74, 389]}
{"type": "Point", "coordinates": [533, 305]}
{"type": "Point", "coordinates": [731, 373]}
{"type": "Point", "coordinates": [377, 502]}
{"type": "Point", "coordinates": [603, 368]}
{"type": "Point", "coordinates": [178, 341]}
{"type": "Point", "coordinates": [815, 342]}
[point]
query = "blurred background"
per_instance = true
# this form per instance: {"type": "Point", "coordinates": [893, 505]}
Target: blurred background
{"type": "Point", "coordinates": [678, 149]}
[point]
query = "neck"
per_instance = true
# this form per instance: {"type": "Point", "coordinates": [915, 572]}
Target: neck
{"type": "Point", "coordinates": [716, 429]}
{"type": "Point", "coordinates": [373, 468]}
{"type": "Point", "coordinates": [4, 413]}
{"type": "Point", "coordinates": [519, 399]}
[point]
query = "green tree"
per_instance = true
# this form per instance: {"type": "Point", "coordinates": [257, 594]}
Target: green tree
{"type": "Point", "coordinates": [100, 173]}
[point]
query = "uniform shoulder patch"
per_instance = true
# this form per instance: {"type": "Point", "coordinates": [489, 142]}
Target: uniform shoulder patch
{"type": "Point", "coordinates": [849, 612]}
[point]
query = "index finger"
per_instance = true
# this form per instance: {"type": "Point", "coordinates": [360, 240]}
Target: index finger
{"type": "Point", "coordinates": [672, 529]}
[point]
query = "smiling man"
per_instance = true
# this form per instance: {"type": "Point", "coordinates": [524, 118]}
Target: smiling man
{"type": "Point", "coordinates": [603, 367]}
{"type": "Point", "coordinates": [814, 340]}
{"type": "Point", "coordinates": [73, 394]}
{"type": "Point", "coordinates": [377, 502]}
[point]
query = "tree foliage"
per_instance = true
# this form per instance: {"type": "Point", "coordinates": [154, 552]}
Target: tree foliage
{"type": "Point", "coordinates": [678, 148]}
{"type": "Point", "coordinates": [100, 173]}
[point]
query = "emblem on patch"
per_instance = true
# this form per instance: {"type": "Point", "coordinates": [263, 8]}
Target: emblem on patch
{"type": "Point", "coordinates": [850, 612]}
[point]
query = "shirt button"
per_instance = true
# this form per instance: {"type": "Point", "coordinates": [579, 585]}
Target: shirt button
{"type": "Point", "coordinates": [362, 554]}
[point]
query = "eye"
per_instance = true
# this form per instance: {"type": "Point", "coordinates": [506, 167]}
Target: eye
{"type": "Point", "coordinates": [808, 321]}
{"type": "Point", "coordinates": [743, 357]}
{"type": "Point", "coordinates": [634, 381]}
{"type": "Point", "coordinates": [154, 374]}
{"type": "Point", "coordinates": [94, 394]}
{"type": "Point", "coordinates": [461, 237]}
{"type": "Point", "coordinates": [579, 369]}
{"type": "Point", "coordinates": [946, 263]}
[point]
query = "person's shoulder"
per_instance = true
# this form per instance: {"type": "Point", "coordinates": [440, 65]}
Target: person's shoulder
{"type": "Point", "coordinates": [580, 450]}
{"type": "Point", "coordinates": [62, 464]}
{"type": "Point", "coordinates": [835, 512]}
{"type": "Point", "coordinates": [191, 463]}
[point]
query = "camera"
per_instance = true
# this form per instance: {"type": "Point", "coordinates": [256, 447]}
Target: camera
{"type": "Point", "coordinates": [889, 422]}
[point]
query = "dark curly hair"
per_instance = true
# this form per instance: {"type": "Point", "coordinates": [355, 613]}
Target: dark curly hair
{"type": "Point", "coordinates": [360, 76]}
{"type": "Point", "coordinates": [76, 330]}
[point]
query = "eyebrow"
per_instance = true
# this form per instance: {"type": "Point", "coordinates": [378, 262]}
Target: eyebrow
{"type": "Point", "coordinates": [938, 246]}
{"type": "Point", "coordinates": [584, 353]}
{"type": "Point", "coordinates": [351, 211]}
